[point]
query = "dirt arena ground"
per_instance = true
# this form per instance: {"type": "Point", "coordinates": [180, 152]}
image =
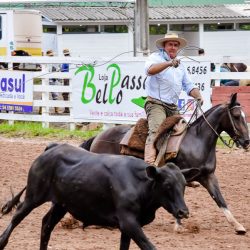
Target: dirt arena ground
{"type": "Point", "coordinates": [207, 227]}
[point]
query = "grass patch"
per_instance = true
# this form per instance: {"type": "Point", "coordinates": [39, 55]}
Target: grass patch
{"type": "Point", "coordinates": [35, 130]}
{"type": "Point", "coordinates": [225, 137]}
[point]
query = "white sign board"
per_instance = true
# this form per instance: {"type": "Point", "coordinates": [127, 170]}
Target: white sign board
{"type": "Point", "coordinates": [115, 92]}
{"type": "Point", "coordinates": [16, 91]}
{"type": "Point", "coordinates": [199, 72]}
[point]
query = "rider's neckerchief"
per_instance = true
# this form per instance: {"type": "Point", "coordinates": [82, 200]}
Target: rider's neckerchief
{"type": "Point", "coordinates": [164, 54]}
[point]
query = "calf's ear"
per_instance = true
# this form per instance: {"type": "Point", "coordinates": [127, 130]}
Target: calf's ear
{"type": "Point", "coordinates": [190, 173]}
{"type": "Point", "coordinates": [151, 172]}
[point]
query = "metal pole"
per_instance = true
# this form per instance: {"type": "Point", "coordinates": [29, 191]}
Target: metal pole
{"type": "Point", "coordinates": [135, 33]}
{"type": "Point", "coordinates": [142, 27]}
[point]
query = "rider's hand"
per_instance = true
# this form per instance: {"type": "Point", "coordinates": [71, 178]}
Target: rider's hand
{"type": "Point", "coordinates": [200, 100]}
{"type": "Point", "coordinates": [175, 62]}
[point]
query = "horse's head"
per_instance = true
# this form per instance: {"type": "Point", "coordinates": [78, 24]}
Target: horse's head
{"type": "Point", "coordinates": [237, 126]}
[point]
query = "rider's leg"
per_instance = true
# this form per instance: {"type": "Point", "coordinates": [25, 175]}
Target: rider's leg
{"type": "Point", "coordinates": [155, 115]}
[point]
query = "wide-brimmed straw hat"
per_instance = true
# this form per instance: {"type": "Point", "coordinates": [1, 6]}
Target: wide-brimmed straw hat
{"type": "Point", "coordinates": [66, 52]}
{"type": "Point", "coordinates": [50, 53]}
{"type": "Point", "coordinates": [171, 37]}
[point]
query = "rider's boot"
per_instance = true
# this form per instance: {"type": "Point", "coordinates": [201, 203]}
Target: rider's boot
{"type": "Point", "coordinates": [150, 153]}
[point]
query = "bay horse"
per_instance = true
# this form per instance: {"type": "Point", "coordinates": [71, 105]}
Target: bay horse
{"type": "Point", "coordinates": [198, 148]}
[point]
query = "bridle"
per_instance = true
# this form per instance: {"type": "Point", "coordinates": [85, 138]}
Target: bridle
{"type": "Point", "coordinates": [233, 139]}
{"type": "Point", "coordinates": [236, 132]}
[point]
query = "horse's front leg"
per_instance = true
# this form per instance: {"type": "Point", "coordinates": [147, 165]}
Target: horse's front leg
{"type": "Point", "coordinates": [212, 186]}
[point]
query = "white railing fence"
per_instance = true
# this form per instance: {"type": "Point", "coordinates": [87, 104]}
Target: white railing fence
{"type": "Point", "coordinates": [42, 89]}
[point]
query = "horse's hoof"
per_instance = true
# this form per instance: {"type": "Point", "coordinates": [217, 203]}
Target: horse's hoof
{"type": "Point", "coordinates": [240, 230]}
{"type": "Point", "coordinates": [179, 229]}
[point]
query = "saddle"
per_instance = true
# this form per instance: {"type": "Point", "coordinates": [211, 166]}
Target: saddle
{"type": "Point", "coordinates": [167, 141]}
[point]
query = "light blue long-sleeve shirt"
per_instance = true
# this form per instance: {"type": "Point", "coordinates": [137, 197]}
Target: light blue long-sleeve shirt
{"type": "Point", "coordinates": [168, 84]}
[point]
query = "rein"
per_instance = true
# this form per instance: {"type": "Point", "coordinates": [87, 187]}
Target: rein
{"type": "Point", "coordinates": [194, 116]}
{"type": "Point", "coordinates": [229, 145]}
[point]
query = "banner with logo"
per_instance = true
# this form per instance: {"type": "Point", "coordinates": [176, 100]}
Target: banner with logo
{"type": "Point", "coordinates": [16, 91]}
{"type": "Point", "coordinates": [115, 92]}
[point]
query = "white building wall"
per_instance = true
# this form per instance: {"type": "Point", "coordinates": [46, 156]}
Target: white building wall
{"type": "Point", "coordinates": [152, 39]}
{"type": "Point", "coordinates": [227, 43]}
{"type": "Point", "coordinates": [98, 45]}
{"type": "Point", "coordinates": [193, 41]}
{"type": "Point", "coordinates": [49, 41]}
{"type": "Point", "coordinates": [223, 43]}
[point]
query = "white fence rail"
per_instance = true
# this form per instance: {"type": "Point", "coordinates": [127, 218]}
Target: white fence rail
{"type": "Point", "coordinates": [42, 90]}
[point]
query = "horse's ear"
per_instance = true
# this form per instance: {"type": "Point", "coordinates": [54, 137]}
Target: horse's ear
{"type": "Point", "coordinates": [233, 100]}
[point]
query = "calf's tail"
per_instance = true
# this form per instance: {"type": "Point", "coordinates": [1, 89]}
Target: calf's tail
{"type": "Point", "coordinates": [51, 145]}
{"type": "Point", "coordinates": [8, 206]}
{"type": "Point", "coordinates": [87, 144]}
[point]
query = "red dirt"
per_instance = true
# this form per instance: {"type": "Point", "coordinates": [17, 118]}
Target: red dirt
{"type": "Point", "coordinates": [207, 228]}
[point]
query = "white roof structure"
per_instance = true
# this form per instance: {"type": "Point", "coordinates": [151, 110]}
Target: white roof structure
{"type": "Point", "coordinates": [157, 14]}
{"type": "Point", "coordinates": [66, 1]}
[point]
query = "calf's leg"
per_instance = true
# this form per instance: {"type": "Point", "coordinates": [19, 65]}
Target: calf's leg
{"type": "Point", "coordinates": [212, 186]}
{"type": "Point", "coordinates": [54, 215]}
{"type": "Point", "coordinates": [125, 242]}
{"type": "Point", "coordinates": [22, 211]}
{"type": "Point", "coordinates": [132, 229]}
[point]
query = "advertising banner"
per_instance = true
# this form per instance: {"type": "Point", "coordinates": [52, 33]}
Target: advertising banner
{"type": "Point", "coordinates": [115, 92]}
{"type": "Point", "coordinates": [16, 91]}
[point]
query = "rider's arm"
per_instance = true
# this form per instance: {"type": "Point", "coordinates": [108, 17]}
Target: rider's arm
{"type": "Point", "coordinates": [156, 64]}
{"type": "Point", "coordinates": [159, 67]}
{"type": "Point", "coordinates": [195, 93]}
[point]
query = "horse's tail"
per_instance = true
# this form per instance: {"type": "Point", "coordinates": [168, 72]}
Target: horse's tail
{"type": "Point", "coordinates": [87, 144]}
{"type": "Point", "coordinates": [8, 206]}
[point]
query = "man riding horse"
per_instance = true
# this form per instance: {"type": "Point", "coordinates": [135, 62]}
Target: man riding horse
{"type": "Point", "coordinates": [167, 77]}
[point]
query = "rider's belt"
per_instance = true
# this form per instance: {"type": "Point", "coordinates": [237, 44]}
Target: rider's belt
{"type": "Point", "coordinates": [170, 106]}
